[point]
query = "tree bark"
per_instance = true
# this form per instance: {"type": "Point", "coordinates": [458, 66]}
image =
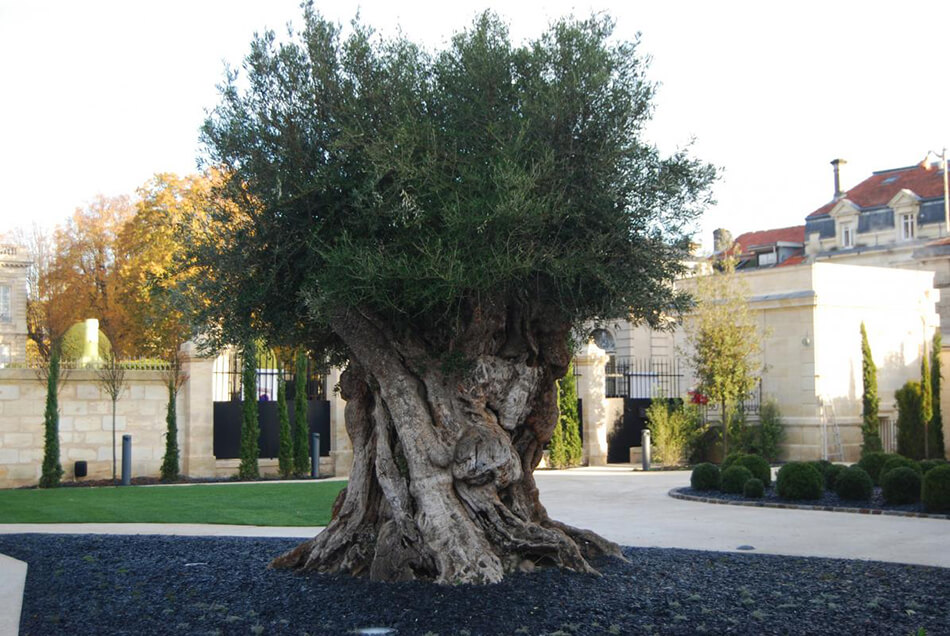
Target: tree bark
{"type": "Point", "coordinates": [444, 449]}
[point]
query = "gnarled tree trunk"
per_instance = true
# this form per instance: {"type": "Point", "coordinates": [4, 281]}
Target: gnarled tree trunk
{"type": "Point", "coordinates": [441, 486]}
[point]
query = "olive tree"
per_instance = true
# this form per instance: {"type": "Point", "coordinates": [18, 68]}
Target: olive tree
{"type": "Point", "coordinates": [441, 222]}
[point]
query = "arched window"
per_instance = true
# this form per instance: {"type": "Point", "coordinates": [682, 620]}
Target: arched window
{"type": "Point", "coordinates": [604, 339]}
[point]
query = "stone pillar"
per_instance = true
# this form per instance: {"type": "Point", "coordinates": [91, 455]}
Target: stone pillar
{"type": "Point", "coordinates": [591, 389]}
{"type": "Point", "coordinates": [196, 408]}
{"type": "Point", "coordinates": [341, 449]}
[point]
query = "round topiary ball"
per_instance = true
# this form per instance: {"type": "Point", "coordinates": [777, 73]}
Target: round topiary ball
{"type": "Point", "coordinates": [831, 475]}
{"type": "Point", "coordinates": [929, 464]}
{"type": "Point", "coordinates": [753, 489]}
{"type": "Point", "coordinates": [897, 461]}
{"type": "Point", "coordinates": [873, 462]}
{"type": "Point", "coordinates": [901, 485]}
{"type": "Point", "coordinates": [822, 465]}
{"type": "Point", "coordinates": [799, 480]}
{"type": "Point", "coordinates": [734, 479]}
{"type": "Point", "coordinates": [731, 459]}
{"type": "Point", "coordinates": [854, 484]}
{"type": "Point", "coordinates": [758, 466]}
{"type": "Point", "coordinates": [936, 490]}
{"type": "Point", "coordinates": [705, 476]}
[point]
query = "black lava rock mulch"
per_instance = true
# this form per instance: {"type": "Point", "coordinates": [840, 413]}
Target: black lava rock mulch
{"type": "Point", "coordinates": [143, 585]}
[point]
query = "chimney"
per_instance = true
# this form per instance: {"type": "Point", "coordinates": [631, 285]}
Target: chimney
{"type": "Point", "coordinates": [837, 163]}
{"type": "Point", "coordinates": [722, 240]}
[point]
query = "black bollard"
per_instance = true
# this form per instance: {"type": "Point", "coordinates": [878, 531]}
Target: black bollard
{"type": "Point", "coordinates": [126, 460]}
{"type": "Point", "coordinates": [315, 455]}
{"type": "Point", "coordinates": [645, 444]}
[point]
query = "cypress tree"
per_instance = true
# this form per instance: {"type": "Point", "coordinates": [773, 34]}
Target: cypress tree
{"type": "Point", "coordinates": [557, 449]}
{"type": "Point", "coordinates": [870, 433]}
{"type": "Point", "coordinates": [52, 468]}
{"type": "Point", "coordinates": [170, 460]}
{"type": "Point", "coordinates": [568, 418]}
{"type": "Point", "coordinates": [910, 425]}
{"type": "Point", "coordinates": [301, 427]}
{"type": "Point", "coordinates": [250, 431]}
{"type": "Point", "coordinates": [926, 401]}
{"type": "Point", "coordinates": [285, 457]}
{"type": "Point", "coordinates": [935, 441]}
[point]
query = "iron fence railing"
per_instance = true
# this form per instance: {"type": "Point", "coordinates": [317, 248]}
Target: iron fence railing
{"type": "Point", "coordinates": [643, 378]}
{"type": "Point", "coordinates": [227, 378]}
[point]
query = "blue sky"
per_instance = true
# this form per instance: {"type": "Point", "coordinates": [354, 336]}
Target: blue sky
{"type": "Point", "coordinates": [99, 95]}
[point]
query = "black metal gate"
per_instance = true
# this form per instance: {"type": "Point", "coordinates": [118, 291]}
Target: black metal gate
{"type": "Point", "coordinates": [627, 431]}
{"type": "Point", "coordinates": [228, 412]}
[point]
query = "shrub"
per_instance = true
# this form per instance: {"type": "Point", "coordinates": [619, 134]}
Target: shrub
{"type": "Point", "coordinates": [897, 461]}
{"type": "Point", "coordinates": [754, 489]}
{"type": "Point", "coordinates": [705, 476]}
{"type": "Point", "coordinates": [675, 429]}
{"type": "Point", "coordinates": [734, 479]}
{"type": "Point", "coordinates": [936, 489]}
{"type": "Point", "coordinates": [771, 431]}
{"type": "Point", "coordinates": [831, 475]}
{"type": "Point", "coordinates": [822, 466]}
{"type": "Point", "coordinates": [854, 484]}
{"type": "Point", "coordinates": [910, 420]}
{"type": "Point", "coordinates": [730, 459]}
{"type": "Point", "coordinates": [929, 464]}
{"type": "Point", "coordinates": [873, 462]}
{"type": "Point", "coordinates": [799, 480]}
{"type": "Point", "coordinates": [901, 485]}
{"type": "Point", "coordinates": [758, 466]}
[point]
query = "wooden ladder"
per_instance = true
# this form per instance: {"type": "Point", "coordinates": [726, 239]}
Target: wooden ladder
{"type": "Point", "coordinates": [828, 418]}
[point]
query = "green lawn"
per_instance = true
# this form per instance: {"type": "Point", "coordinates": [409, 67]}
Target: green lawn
{"type": "Point", "coordinates": [240, 504]}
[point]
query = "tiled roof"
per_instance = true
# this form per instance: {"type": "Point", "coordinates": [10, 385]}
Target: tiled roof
{"type": "Point", "coordinates": [770, 237]}
{"type": "Point", "coordinates": [880, 187]}
{"type": "Point", "coordinates": [792, 260]}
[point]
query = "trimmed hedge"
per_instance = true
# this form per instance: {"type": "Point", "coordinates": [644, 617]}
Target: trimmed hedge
{"type": "Point", "coordinates": [734, 479]}
{"type": "Point", "coordinates": [896, 462]}
{"type": "Point", "coordinates": [936, 489]}
{"type": "Point", "coordinates": [929, 464]}
{"type": "Point", "coordinates": [901, 485]}
{"type": "Point", "coordinates": [799, 480]}
{"type": "Point", "coordinates": [758, 466]}
{"type": "Point", "coordinates": [753, 489]}
{"type": "Point", "coordinates": [705, 476]}
{"type": "Point", "coordinates": [854, 484]}
{"type": "Point", "coordinates": [873, 462]}
{"type": "Point", "coordinates": [730, 459]}
{"type": "Point", "coordinates": [831, 475]}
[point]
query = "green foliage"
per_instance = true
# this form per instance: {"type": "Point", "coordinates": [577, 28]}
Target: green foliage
{"type": "Point", "coordinates": [301, 424]}
{"type": "Point", "coordinates": [565, 447]}
{"type": "Point", "coordinates": [799, 480]}
{"type": "Point", "coordinates": [759, 468]}
{"type": "Point", "coordinates": [873, 462]}
{"type": "Point", "coordinates": [170, 470]}
{"type": "Point", "coordinates": [936, 489]}
{"type": "Point", "coordinates": [250, 430]}
{"type": "Point", "coordinates": [731, 459]}
{"type": "Point", "coordinates": [771, 430]}
{"type": "Point", "coordinates": [870, 425]}
{"type": "Point", "coordinates": [831, 475]}
{"type": "Point", "coordinates": [935, 443]}
{"type": "Point", "coordinates": [723, 335]}
{"type": "Point", "coordinates": [734, 479]}
{"type": "Point", "coordinates": [854, 484]}
{"type": "Point", "coordinates": [52, 470]}
{"type": "Point", "coordinates": [926, 391]}
{"type": "Point", "coordinates": [929, 464]}
{"type": "Point", "coordinates": [896, 461]}
{"type": "Point", "coordinates": [74, 342]}
{"type": "Point", "coordinates": [285, 453]}
{"type": "Point", "coordinates": [705, 476]}
{"type": "Point", "coordinates": [753, 489]}
{"type": "Point", "coordinates": [675, 429]}
{"type": "Point", "coordinates": [421, 187]}
{"type": "Point", "coordinates": [910, 422]}
{"type": "Point", "coordinates": [901, 486]}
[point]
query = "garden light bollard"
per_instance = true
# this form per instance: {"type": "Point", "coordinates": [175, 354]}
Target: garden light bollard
{"type": "Point", "coordinates": [645, 444]}
{"type": "Point", "coordinates": [315, 455]}
{"type": "Point", "coordinates": [126, 460]}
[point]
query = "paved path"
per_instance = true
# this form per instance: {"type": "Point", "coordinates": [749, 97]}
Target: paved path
{"type": "Point", "coordinates": [631, 508]}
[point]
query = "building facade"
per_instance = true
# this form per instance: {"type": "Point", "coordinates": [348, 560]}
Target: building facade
{"type": "Point", "coordinates": [14, 269]}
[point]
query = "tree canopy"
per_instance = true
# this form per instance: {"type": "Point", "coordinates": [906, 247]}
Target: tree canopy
{"type": "Point", "coordinates": [424, 187]}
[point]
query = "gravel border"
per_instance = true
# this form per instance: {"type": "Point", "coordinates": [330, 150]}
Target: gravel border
{"type": "Point", "coordinates": [138, 585]}
{"type": "Point", "coordinates": [686, 495]}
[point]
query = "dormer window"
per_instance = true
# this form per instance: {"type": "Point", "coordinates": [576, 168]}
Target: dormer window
{"type": "Point", "coordinates": [908, 226]}
{"type": "Point", "coordinates": [847, 235]}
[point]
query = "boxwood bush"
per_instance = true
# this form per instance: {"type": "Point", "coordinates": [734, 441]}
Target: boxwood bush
{"type": "Point", "coordinates": [873, 462]}
{"type": "Point", "coordinates": [929, 464]}
{"type": "Point", "coordinates": [831, 475]}
{"type": "Point", "coordinates": [705, 476]}
{"type": "Point", "coordinates": [936, 489]}
{"type": "Point", "coordinates": [730, 459]}
{"type": "Point", "coordinates": [854, 484]}
{"type": "Point", "coordinates": [734, 479]}
{"type": "Point", "coordinates": [799, 480]}
{"type": "Point", "coordinates": [753, 489]}
{"type": "Point", "coordinates": [758, 466]}
{"type": "Point", "coordinates": [901, 485]}
{"type": "Point", "coordinates": [896, 462]}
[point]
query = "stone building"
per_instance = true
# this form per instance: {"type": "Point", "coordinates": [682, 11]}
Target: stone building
{"type": "Point", "coordinates": [14, 268]}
